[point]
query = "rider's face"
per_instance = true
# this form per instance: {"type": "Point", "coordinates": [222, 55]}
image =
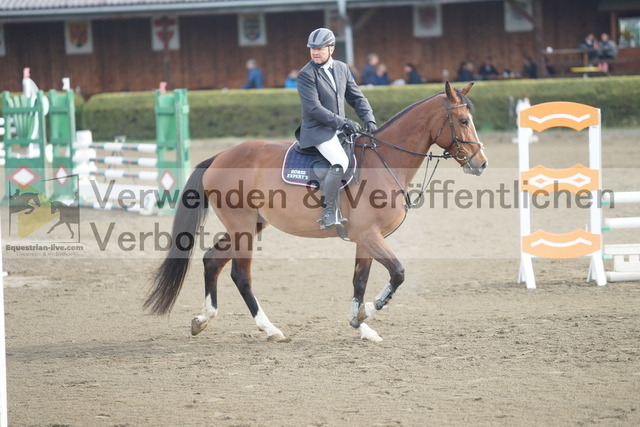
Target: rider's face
{"type": "Point", "coordinates": [320, 55]}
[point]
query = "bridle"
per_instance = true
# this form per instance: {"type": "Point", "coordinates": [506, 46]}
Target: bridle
{"type": "Point", "coordinates": [455, 142]}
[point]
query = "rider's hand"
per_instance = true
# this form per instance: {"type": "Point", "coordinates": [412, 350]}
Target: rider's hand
{"type": "Point", "coordinates": [370, 127]}
{"type": "Point", "coordinates": [351, 127]}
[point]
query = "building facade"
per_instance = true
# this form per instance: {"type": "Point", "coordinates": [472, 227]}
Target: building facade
{"type": "Point", "coordinates": [132, 45]}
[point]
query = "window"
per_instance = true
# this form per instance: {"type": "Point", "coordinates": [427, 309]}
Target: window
{"type": "Point", "coordinates": [629, 32]}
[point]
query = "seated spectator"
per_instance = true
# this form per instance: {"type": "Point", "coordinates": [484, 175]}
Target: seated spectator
{"type": "Point", "coordinates": [607, 50]}
{"type": "Point", "coordinates": [381, 77]}
{"type": "Point", "coordinates": [369, 70]}
{"type": "Point", "coordinates": [607, 47]}
{"type": "Point", "coordinates": [413, 77]}
{"type": "Point", "coordinates": [487, 71]}
{"type": "Point", "coordinates": [465, 72]}
{"type": "Point", "coordinates": [530, 68]}
{"type": "Point", "coordinates": [291, 82]}
{"type": "Point", "coordinates": [589, 45]}
{"type": "Point", "coordinates": [551, 71]}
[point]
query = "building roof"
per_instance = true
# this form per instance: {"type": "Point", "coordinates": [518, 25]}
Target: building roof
{"type": "Point", "coordinates": [53, 10]}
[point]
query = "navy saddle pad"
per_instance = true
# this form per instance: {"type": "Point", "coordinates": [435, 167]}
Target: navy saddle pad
{"type": "Point", "coordinates": [308, 170]}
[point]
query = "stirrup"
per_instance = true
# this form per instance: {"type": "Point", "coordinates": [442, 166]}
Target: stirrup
{"type": "Point", "coordinates": [338, 221]}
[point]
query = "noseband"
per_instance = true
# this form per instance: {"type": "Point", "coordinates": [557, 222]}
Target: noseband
{"type": "Point", "coordinates": [455, 141]}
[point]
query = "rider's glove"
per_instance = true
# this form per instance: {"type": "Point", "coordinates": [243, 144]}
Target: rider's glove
{"type": "Point", "coordinates": [351, 127]}
{"type": "Point", "coordinates": [370, 127]}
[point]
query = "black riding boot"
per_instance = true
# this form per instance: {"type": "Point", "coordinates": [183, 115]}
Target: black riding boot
{"type": "Point", "coordinates": [330, 203]}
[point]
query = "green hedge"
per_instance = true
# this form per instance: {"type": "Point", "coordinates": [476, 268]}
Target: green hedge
{"type": "Point", "coordinates": [276, 112]}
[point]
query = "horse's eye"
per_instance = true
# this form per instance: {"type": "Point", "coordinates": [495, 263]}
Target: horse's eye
{"type": "Point", "coordinates": [464, 122]}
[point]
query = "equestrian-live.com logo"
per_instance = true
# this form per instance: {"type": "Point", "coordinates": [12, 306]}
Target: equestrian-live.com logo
{"type": "Point", "coordinates": [34, 215]}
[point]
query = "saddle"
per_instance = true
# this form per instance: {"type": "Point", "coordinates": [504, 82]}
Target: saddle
{"type": "Point", "coordinates": [308, 168]}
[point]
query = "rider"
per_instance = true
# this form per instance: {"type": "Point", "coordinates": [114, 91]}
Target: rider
{"type": "Point", "coordinates": [323, 85]}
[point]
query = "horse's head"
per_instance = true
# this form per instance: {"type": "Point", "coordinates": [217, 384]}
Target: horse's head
{"type": "Point", "coordinates": [464, 145]}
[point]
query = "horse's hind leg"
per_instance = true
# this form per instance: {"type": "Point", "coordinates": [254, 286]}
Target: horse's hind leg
{"type": "Point", "coordinates": [214, 260]}
{"type": "Point", "coordinates": [70, 230]}
{"type": "Point", "coordinates": [241, 275]}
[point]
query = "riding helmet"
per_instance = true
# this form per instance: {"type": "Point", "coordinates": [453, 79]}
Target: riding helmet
{"type": "Point", "coordinates": [321, 37]}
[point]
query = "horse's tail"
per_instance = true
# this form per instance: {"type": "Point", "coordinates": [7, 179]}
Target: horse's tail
{"type": "Point", "coordinates": [191, 212]}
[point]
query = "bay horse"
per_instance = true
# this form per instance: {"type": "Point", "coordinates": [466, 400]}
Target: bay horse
{"type": "Point", "coordinates": [236, 181]}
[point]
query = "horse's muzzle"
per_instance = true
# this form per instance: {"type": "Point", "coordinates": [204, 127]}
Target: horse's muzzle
{"type": "Point", "coordinates": [475, 170]}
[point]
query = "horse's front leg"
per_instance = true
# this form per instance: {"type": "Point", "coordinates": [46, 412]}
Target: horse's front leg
{"type": "Point", "coordinates": [381, 252]}
{"type": "Point", "coordinates": [360, 279]}
{"type": "Point", "coordinates": [55, 225]}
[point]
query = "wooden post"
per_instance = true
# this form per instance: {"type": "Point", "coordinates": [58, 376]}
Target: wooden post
{"type": "Point", "coordinates": [538, 30]}
{"type": "Point", "coordinates": [166, 59]}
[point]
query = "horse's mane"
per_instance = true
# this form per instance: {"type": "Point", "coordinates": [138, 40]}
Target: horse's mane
{"type": "Point", "coordinates": [463, 98]}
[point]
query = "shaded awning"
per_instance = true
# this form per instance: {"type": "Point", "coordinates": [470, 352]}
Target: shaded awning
{"type": "Point", "coordinates": [52, 10]}
{"type": "Point", "coordinates": [618, 5]}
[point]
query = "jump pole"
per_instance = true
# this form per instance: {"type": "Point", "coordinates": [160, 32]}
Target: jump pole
{"type": "Point", "coordinates": [168, 169]}
{"type": "Point", "coordinates": [626, 256]}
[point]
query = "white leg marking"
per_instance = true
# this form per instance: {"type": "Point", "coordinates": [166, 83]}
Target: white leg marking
{"type": "Point", "coordinates": [369, 309]}
{"type": "Point", "coordinates": [366, 333]}
{"type": "Point", "coordinates": [263, 323]}
{"type": "Point", "coordinates": [200, 322]}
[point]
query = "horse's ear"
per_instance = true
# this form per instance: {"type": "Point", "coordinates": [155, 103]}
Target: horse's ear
{"type": "Point", "coordinates": [466, 90]}
{"type": "Point", "coordinates": [451, 94]}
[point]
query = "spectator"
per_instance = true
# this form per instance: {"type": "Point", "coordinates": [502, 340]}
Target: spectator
{"type": "Point", "coordinates": [381, 77]}
{"type": "Point", "coordinates": [551, 71]}
{"type": "Point", "coordinates": [291, 82]}
{"type": "Point", "coordinates": [369, 70]}
{"type": "Point", "coordinates": [607, 47]}
{"type": "Point", "coordinates": [413, 77]}
{"type": "Point", "coordinates": [530, 69]}
{"type": "Point", "coordinates": [589, 45]}
{"type": "Point", "coordinates": [465, 72]}
{"type": "Point", "coordinates": [255, 77]}
{"type": "Point", "coordinates": [487, 71]}
{"type": "Point", "coordinates": [607, 50]}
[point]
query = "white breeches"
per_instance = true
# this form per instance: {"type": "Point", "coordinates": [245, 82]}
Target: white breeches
{"type": "Point", "coordinates": [332, 151]}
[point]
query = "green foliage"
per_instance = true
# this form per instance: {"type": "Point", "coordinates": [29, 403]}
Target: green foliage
{"type": "Point", "coordinates": [276, 112]}
{"type": "Point", "coordinates": [111, 114]}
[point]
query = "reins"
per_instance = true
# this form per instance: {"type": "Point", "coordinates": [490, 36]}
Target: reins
{"type": "Point", "coordinates": [408, 203]}
{"type": "Point", "coordinates": [455, 141]}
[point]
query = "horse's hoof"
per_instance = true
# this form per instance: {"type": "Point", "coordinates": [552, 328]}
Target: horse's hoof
{"type": "Point", "coordinates": [368, 334]}
{"type": "Point", "coordinates": [277, 337]}
{"type": "Point", "coordinates": [365, 311]}
{"type": "Point", "coordinates": [198, 324]}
